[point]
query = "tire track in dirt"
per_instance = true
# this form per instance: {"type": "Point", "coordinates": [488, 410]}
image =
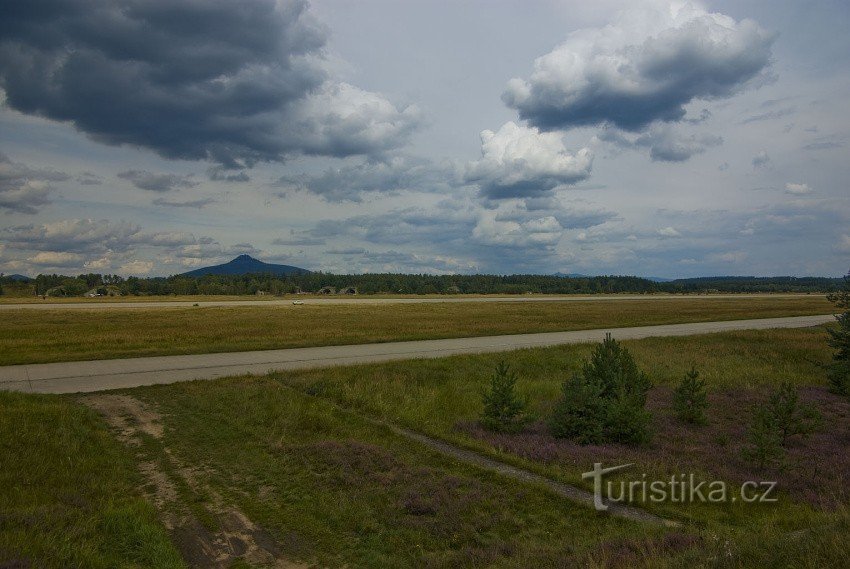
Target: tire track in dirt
{"type": "Point", "coordinates": [236, 538]}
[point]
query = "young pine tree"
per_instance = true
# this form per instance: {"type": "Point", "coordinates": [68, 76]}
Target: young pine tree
{"type": "Point", "coordinates": [504, 411]}
{"type": "Point", "coordinates": [780, 418]}
{"type": "Point", "coordinates": [690, 399]}
{"type": "Point", "coordinates": [790, 415]}
{"type": "Point", "coordinates": [764, 440]}
{"type": "Point", "coordinates": [580, 413]}
{"type": "Point", "coordinates": [839, 339]}
{"type": "Point", "coordinates": [605, 401]}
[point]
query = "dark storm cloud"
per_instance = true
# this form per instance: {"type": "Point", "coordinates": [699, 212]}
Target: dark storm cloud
{"type": "Point", "coordinates": [643, 68]}
{"type": "Point", "coordinates": [230, 82]}
{"type": "Point", "coordinates": [24, 189]}
{"type": "Point", "coordinates": [150, 181]}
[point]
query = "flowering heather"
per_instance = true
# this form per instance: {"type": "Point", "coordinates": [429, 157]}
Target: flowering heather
{"type": "Point", "coordinates": [817, 469]}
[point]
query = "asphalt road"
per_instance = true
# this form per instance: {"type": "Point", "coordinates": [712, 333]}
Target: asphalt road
{"type": "Point", "coordinates": [104, 304]}
{"type": "Point", "coordinates": [72, 377]}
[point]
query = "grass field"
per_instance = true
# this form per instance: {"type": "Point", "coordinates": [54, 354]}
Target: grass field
{"type": "Point", "coordinates": [68, 493]}
{"type": "Point", "coordinates": [51, 336]}
{"type": "Point", "coordinates": [16, 297]}
{"type": "Point", "coordinates": [201, 298]}
{"type": "Point", "coordinates": [292, 467]}
{"type": "Point", "coordinates": [443, 398]}
{"type": "Point", "coordinates": [331, 488]}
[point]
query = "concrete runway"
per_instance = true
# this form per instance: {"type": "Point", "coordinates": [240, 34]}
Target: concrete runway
{"type": "Point", "coordinates": [365, 300]}
{"type": "Point", "coordinates": [72, 377]}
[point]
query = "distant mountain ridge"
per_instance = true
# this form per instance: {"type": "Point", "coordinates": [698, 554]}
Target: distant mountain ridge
{"type": "Point", "coordinates": [243, 265]}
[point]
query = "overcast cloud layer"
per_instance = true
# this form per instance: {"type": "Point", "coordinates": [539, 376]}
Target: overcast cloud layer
{"type": "Point", "coordinates": [655, 138]}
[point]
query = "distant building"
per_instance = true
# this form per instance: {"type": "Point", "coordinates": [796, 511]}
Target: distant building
{"type": "Point", "coordinates": [348, 290]}
{"type": "Point", "coordinates": [327, 290]}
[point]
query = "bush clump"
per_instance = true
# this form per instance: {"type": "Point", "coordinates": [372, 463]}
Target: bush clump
{"type": "Point", "coordinates": [604, 402]}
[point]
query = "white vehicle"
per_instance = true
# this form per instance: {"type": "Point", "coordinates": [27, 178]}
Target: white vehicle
{"type": "Point", "coordinates": [297, 302]}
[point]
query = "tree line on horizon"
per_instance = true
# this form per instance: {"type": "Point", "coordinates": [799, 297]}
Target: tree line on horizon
{"type": "Point", "coordinates": [390, 283]}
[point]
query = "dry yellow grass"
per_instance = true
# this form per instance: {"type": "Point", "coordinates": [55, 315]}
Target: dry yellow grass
{"type": "Point", "coordinates": [29, 336]}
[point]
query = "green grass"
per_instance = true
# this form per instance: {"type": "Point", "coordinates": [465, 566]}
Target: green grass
{"type": "Point", "coordinates": [432, 395]}
{"type": "Point", "coordinates": [436, 396]}
{"type": "Point", "coordinates": [29, 336]}
{"type": "Point", "coordinates": [334, 489]}
{"type": "Point", "coordinates": [298, 454]}
{"type": "Point", "coordinates": [336, 478]}
{"type": "Point", "coordinates": [68, 492]}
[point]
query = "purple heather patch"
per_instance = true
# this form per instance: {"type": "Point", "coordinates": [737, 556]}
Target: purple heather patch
{"type": "Point", "coordinates": [816, 471]}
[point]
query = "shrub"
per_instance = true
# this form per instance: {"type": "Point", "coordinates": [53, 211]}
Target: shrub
{"type": "Point", "coordinates": [580, 413]}
{"type": "Point", "coordinates": [690, 399]}
{"type": "Point", "coordinates": [791, 416]}
{"type": "Point", "coordinates": [839, 371]}
{"type": "Point", "coordinates": [764, 440]}
{"type": "Point", "coordinates": [627, 422]}
{"type": "Point", "coordinates": [605, 401]}
{"type": "Point", "coordinates": [782, 417]}
{"type": "Point", "coordinates": [504, 411]}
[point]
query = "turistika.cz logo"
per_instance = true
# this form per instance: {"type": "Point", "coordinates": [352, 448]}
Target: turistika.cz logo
{"type": "Point", "coordinates": [679, 488]}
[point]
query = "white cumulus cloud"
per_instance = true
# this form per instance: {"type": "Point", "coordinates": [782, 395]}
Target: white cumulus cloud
{"type": "Point", "coordinates": [519, 161]}
{"type": "Point", "coordinates": [645, 66]}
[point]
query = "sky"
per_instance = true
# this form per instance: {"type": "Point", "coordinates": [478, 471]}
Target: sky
{"type": "Point", "coordinates": [661, 139]}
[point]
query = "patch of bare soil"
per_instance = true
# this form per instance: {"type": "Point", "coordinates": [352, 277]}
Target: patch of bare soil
{"type": "Point", "coordinates": [236, 537]}
{"type": "Point", "coordinates": [127, 415]}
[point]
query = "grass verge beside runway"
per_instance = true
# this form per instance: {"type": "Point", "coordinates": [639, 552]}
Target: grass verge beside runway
{"type": "Point", "coordinates": [294, 463]}
{"type": "Point", "coordinates": [54, 336]}
{"type": "Point", "coordinates": [68, 492]}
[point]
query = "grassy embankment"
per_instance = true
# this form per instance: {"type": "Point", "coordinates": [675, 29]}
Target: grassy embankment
{"type": "Point", "coordinates": [29, 336]}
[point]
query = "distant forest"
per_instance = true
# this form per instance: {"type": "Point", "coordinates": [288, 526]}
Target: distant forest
{"type": "Point", "coordinates": [59, 285]}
